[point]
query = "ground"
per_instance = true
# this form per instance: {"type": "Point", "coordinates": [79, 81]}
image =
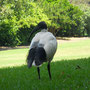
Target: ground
{"type": "Point", "coordinates": [70, 68]}
{"type": "Point", "coordinates": [59, 39]}
{"type": "Point", "coordinates": [72, 39]}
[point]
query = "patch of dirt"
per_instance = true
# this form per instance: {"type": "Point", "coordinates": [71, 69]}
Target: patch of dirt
{"type": "Point", "coordinates": [59, 39]}
{"type": "Point", "coordinates": [9, 48]}
{"type": "Point", "coordinates": [72, 39]}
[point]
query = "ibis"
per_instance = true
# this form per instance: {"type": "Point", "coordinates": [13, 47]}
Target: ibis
{"type": "Point", "coordinates": [42, 47]}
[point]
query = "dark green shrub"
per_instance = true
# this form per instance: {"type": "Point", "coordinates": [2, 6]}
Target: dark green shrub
{"type": "Point", "coordinates": [19, 17]}
{"type": "Point", "coordinates": [17, 20]}
{"type": "Point", "coordinates": [65, 18]}
{"type": "Point", "coordinates": [8, 27]}
{"type": "Point", "coordinates": [29, 21]}
{"type": "Point", "coordinates": [86, 17]}
{"type": "Point", "coordinates": [8, 35]}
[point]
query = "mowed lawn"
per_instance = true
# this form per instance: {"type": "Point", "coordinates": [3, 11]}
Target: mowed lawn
{"type": "Point", "coordinates": [70, 68]}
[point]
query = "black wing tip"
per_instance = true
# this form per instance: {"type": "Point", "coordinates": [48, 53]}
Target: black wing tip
{"type": "Point", "coordinates": [40, 54]}
{"type": "Point", "coordinates": [30, 57]}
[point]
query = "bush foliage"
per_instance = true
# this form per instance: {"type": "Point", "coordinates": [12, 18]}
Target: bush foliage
{"type": "Point", "coordinates": [86, 17]}
{"type": "Point", "coordinates": [19, 17]}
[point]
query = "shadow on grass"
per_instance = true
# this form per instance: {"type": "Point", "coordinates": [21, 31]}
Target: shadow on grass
{"type": "Point", "coordinates": [66, 74]}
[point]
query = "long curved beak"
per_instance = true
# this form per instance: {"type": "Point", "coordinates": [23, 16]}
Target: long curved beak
{"type": "Point", "coordinates": [32, 32]}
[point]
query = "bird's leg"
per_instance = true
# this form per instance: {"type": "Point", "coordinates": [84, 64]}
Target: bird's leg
{"type": "Point", "coordinates": [48, 66]}
{"type": "Point", "coordinates": [38, 69]}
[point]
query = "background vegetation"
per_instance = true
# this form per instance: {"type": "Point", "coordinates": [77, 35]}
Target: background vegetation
{"type": "Point", "coordinates": [84, 5]}
{"type": "Point", "coordinates": [63, 17]}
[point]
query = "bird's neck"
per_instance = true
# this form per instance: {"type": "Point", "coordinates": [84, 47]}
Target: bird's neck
{"type": "Point", "coordinates": [44, 30]}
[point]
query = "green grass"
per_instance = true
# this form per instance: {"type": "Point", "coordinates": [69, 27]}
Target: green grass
{"type": "Point", "coordinates": [70, 69]}
{"type": "Point", "coordinates": [13, 57]}
{"type": "Point", "coordinates": [73, 50]}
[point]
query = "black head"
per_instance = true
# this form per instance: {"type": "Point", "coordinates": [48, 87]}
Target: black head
{"type": "Point", "coordinates": [40, 26]}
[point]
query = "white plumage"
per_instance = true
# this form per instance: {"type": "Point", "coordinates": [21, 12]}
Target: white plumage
{"type": "Point", "coordinates": [43, 45]}
{"type": "Point", "coordinates": [46, 40]}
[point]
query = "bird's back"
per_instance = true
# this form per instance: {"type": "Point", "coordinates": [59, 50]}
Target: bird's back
{"type": "Point", "coordinates": [46, 40]}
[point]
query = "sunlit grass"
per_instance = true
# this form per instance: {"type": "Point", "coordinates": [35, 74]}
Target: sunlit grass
{"type": "Point", "coordinates": [65, 51]}
{"type": "Point", "coordinates": [73, 50]}
{"type": "Point", "coordinates": [13, 57]}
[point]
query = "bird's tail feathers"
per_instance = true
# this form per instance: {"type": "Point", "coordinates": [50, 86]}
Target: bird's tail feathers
{"type": "Point", "coordinates": [30, 57]}
{"type": "Point", "coordinates": [36, 54]}
{"type": "Point", "coordinates": [40, 56]}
